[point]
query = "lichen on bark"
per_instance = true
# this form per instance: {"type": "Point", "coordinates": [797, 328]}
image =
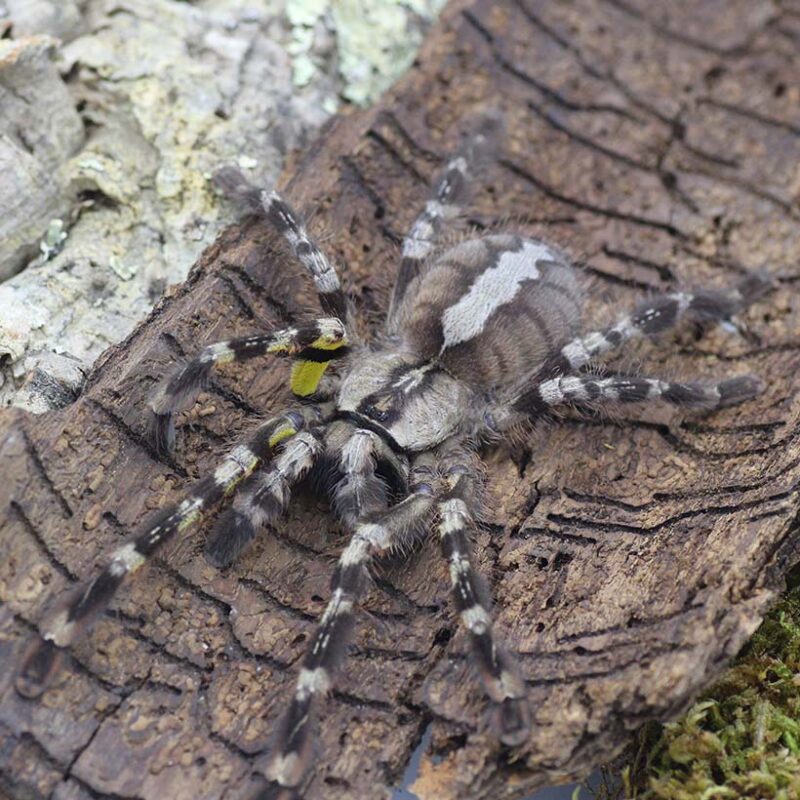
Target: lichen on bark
{"type": "Point", "coordinates": [167, 92]}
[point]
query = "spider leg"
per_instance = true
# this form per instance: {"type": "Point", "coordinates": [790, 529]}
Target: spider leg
{"type": "Point", "coordinates": [313, 345]}
{"type": "Point", "coordinates": [262, 498]}
{"type": "Point", "coordinates": [288, 224]}
{"type": "Point", "coordinates": [386, 532]}
{"type": "Point", "coordinates": [593, 390]}
{"type": "Point", "coordinates": [497, 670]}
{"type": "Point", "coordinates": [74, 618]}
{"type": "Point", "coordinates": [653, 316]}
{"type": "Point", "coordinates": [361, 492]}
{"type": "Point", "coordinates": [449, 197]}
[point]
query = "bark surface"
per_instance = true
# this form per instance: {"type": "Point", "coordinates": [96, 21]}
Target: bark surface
{"type": "Point", "coordinates": [630, 559]}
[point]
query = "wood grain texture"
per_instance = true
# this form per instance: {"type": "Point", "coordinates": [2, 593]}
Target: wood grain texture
{"type": "Point", "coordinates": [630, 559]}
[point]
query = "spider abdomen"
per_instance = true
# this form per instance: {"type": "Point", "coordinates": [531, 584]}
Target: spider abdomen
{"type": "Point", "coordinates": [491, 310]}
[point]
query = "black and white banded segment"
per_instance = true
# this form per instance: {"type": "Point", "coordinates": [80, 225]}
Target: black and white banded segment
{"type": "Point", "coordinates": [656, 316]}
{"type": "Point", "coordinates": [261, 499]}
{"type": "Point", "coordinates": [590, 389]}
{"type": "Point", "coordinates": [75, 617]}
{"type": "Point", "coordinates": [496, 669]}
{"type": "Point", "coordinates": [291, 753]}
{"type": "Point", "coordinates": [449, 197]}
{"type": "Point", "coordinates": [288, 224]}
{"type": "Point", "coordinates": [318, 341]}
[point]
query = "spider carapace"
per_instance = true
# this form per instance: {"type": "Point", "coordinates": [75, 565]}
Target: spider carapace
{"type": "Point", "coordinates": [482, 339]}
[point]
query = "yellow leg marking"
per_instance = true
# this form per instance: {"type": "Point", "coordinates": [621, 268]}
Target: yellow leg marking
{"type": "Point", "coordinates": [284, 345]}
{"type": "Point", "coordinates": [280, 434]}
{"type": "Point", "coordinates": [306, 376]}
{"type": "Point", "coordinates": [189, 520]}
{"type": "Point", "coordinates": [246, 472]}
{"type": "Point", "coordinates": [329, 341]}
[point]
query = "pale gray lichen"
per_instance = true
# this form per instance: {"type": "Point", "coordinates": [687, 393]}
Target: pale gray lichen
{"type": "Point", "coordinates": [373, 41]}
{"type": "Point", "coordinates": [168, 92]}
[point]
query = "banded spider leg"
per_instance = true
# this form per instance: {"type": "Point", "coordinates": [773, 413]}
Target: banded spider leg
{"type": "Point", "coordinates": [559, 380]}
{"type": "Point", "coordinates": [74, 618]}
{"type": "Point", "coordinates": [313, 346]}
{"type": "Point", "coordinates": [441, 483]}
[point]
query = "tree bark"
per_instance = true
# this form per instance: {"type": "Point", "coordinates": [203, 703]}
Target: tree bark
{"type": "Point", "coordinates": [629, 558]}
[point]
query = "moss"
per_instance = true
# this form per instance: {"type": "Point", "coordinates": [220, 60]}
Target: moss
{"type": "Point", "coordinates": [742, 738]}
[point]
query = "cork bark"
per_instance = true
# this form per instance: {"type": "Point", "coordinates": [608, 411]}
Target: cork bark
{"type": "Point", "coordinates": [630, 558]}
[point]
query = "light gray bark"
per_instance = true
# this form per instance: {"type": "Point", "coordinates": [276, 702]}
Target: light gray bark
{"type": "Point", "coordinates": [168, 91]}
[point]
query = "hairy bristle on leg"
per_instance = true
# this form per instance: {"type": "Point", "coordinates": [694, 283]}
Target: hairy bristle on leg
{"type": "Point", "coordinates": [594, 390]}
{"type": "Point", "coordinates": [290, 756]}
{"type": "Point", "coordinates": [320, 341]}
{"type": "Point", "coordinates": [497, 670]}
{"type": "Point", "coordinates": [261, 499]}
{"type": "Point", "coordinates": [450, 195]}
{"type": "Point", "coordinates": [74, 618]}
{"type": "Point", "coordinates": [654, 316]}
{"type": "Point", "coordinates": [360, 492]}
{"type": "Point", "coordinates": [285, 220]}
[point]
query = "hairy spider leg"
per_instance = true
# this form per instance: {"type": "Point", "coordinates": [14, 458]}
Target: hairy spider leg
{"type": "Point", "coordinates": [594, 390]}
{"type": "Point", "coordinates": [421, 239]}
{"type": "Point", "coordinates": [497, 670]}
{"type": "Point", "coordinates": [290, 758]}
{"type": "Point", "coordinates": [360, 492]}
{"type": "Point", "coordinates": [654, 316]}
{"type": "Point", "coordinates": [262, 498]}
{"type": "Point", "coordinates": [313, 345]}
{"type": "Point", "coordinates": [74, 618]}
{"type": "Point", "coordinates": [288, 224]}
{"type": "Point", "coordinates": [450, 195]}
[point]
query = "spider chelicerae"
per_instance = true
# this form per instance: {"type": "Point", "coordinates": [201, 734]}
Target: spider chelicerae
{"type": "Point", "coordinates": [482, 340]}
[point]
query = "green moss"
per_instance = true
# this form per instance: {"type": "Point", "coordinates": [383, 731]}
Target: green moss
{"type": "Point", "coordinates": [742, 738]}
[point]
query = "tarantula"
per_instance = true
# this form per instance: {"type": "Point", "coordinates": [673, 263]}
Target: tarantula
{"type": "Point", "coordinates": [482, 338]}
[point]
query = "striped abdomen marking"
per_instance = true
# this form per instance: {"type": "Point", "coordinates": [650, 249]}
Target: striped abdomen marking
{"type": "Point", "coordinates": [496, 286]}
{"type": "Point", "coordinates": [491, 310]}
{"type": "Point", "coordinates": [76, 616]}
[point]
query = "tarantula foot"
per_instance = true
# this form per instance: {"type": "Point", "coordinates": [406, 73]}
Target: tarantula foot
{"type": "Point", "coordinates": [754, 286]}
{"type": "Point", "coordinates": [161, 433]}
{"type": "Point", "coordinates": [232, 184]}
{"type": "Point", "coordinates": [39, 665]}
{"type": "Point", "coordinates": [513, 721]}
{"type": "Point", "coordinates": [274, 791]}
{"type": "Point", "coordinates": [231, 534]}
{"type": "Point", "coordinates": [739, 389]}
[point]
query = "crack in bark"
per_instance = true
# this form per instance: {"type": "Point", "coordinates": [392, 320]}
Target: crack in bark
{"type": "Point", "coordinates": [682, 38]}
{"type": "Point", "coordinates": [41, 470]}
{"type": "Point", "coordinates": [63, 569]}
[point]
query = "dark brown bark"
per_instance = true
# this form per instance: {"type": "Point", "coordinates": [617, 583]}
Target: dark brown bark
{"type": "Point", "coordinates": [629, 559]}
